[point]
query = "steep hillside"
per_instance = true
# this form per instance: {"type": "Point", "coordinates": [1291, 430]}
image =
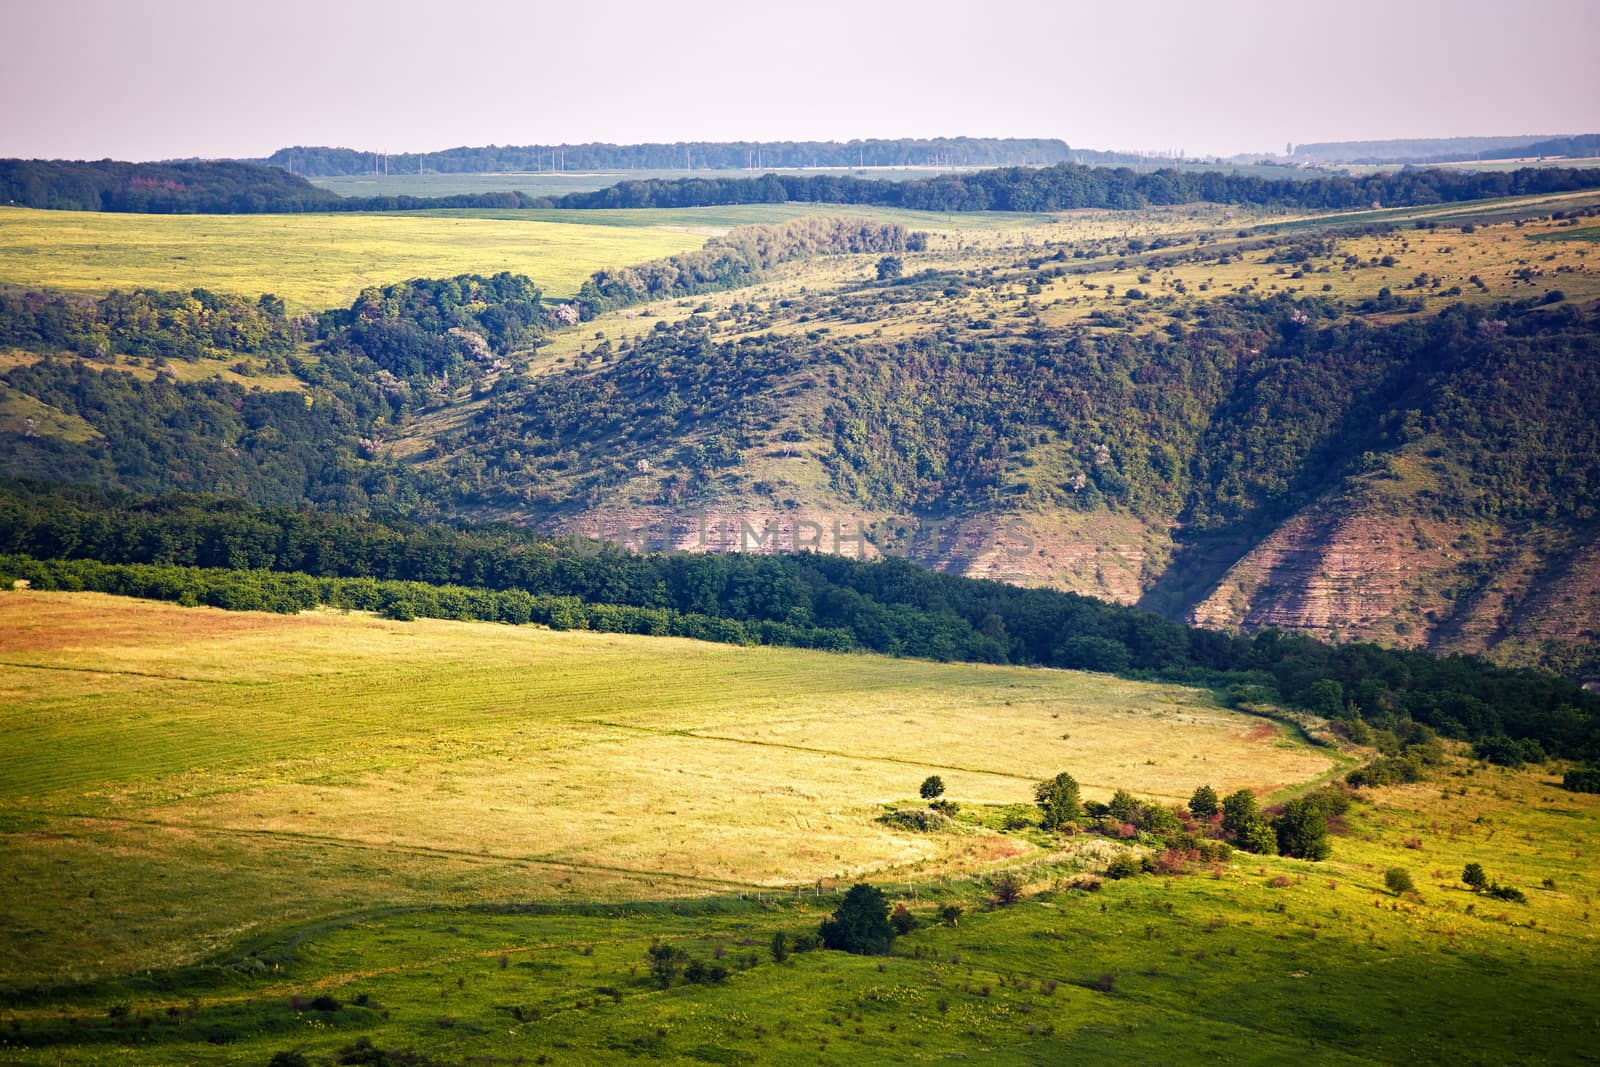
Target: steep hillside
{"type": "Point", "coordinates": [1372, 425]}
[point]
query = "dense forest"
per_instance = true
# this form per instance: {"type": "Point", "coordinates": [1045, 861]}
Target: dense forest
{"type": "Point", "coordinates": [690, 155]}
{"type": "Point", "coordinates": [890, 606]}
{"type": "Point", "coordinates": [147, 322]}
{"type": "Point", "coordinates": [1243, 412]}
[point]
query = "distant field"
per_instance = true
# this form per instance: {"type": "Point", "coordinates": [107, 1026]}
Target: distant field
{"type": "Point", "coordinates": [716, 219]}
{"type": "Point", "coordinates": [312, 261]}
{"type": "Point", "coordinates": [1479, 164]}
{"type": "Point", "coordinates": [282, 768]}
{"type": "Point", "coordinates": [549, 183]}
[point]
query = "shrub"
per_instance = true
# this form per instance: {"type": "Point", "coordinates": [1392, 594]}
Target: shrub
{"type": "Point", "coordinates": [1582, 780]}
{"type": "Point", "coordinates": [1398, 879]}
{"type": "Point", "coordinates": [951, 914]}
{"type": "Point", "coordinates": [779, 947]}
{"type": "Point", "coordinates": [902, 920]}
{"type": "Point", "coordinates": [1124, 865]}
{"type": "Point", "coordinates": [1472, 874]}
{"type": "Point", "coordinates": [918, 820]}
{"type": "Point", "coordinates": [1007, 889]}
{"type": "Point", "coordinates": [665, 962]}
{"type": "Point", "coordinates": [1506, 892]}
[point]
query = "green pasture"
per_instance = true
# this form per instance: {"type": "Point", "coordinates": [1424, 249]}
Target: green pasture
{"type": "Point", "coordinates": [312, 261]}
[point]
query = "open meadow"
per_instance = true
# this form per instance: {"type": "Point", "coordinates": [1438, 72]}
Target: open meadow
{"type": "Point", "coordinates": [460, 840]}
{"type": "Point", "coordinates": [312, 261]}
{"type": "Point", "coordinates": [287, 768]}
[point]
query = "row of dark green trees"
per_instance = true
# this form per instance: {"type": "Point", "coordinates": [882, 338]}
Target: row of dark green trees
{"type": "Point", "coordinates": [890, 606]}
{"type": "Point", "coordinates": [243, 188]}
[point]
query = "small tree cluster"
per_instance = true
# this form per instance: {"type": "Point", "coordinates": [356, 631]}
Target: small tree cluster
{"type": "Point", "coordinates": [1476, 879]}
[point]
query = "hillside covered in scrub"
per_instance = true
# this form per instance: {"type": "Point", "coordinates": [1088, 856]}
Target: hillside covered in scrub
{"type": "Point", "coordinates": [1315, 426]}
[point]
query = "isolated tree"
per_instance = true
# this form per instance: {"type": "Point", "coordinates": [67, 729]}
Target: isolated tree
{"type": "Point", "coordinates": [779, 947]}
{"type": "Point", "coordinates": [1059, 801]}
{"type": "Point", "coordinates": [1302, 830]}
{"type": "Point", "coordinates": [951, 914]}
{"type": "Point", "coordinates": [890, 267]}
{"type": "Point", "coordinates": [1239, 810]}
{"type": "Point", "coordinates": [932, 787]}
{"type": "Point", "coordinates": [860, 924]}
{"type": "Point", "coordinates": [1474, 877]}
{"type": "Point", "coordinates": [1203, 804]}
{"type": "Point", "coordinates": [1398, 879]}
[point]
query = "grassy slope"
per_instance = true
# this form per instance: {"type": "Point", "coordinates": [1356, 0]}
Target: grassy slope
{"type": "Point", "coordinates": [284, 768]}
{"type": "Point", "coordinates": [312, 261]}
{"type": "Point", "coordinates": [1258, 961]}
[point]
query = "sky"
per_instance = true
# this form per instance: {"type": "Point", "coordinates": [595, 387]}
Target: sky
{"type": "Point", "coordinates": [154, 79]}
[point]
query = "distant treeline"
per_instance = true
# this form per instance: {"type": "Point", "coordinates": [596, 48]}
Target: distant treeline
{"type": "Point", "coordinates": [159, 188]}
{"type": "Point", "coordinates": [1067, 186]}
{"type": "Point", "coordinates": [287, 593]}
{"type": "Point", "coordinates": [738, 257]}
{"type": "Point", "coordinates": [233, 188]}
{"type": "Point", "coordinates": [203, 188]}
{"type": "Point", "coordinates": [1449, 149]}
{"type": "Point", "coordinates": [320, 162]}
{"type": "Point", "coordinates": [890, 606]}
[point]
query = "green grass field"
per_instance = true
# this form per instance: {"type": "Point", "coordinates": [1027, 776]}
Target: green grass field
{"type": "Point", "coordinates": [466, 836]}
{"type": "Point", "coordinates": [312, 261]}
{"type": "Point", "coordinates": [472, 762]}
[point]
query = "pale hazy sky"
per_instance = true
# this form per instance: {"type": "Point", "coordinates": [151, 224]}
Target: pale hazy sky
{"type": "Point", "coordinates": [148, 79]}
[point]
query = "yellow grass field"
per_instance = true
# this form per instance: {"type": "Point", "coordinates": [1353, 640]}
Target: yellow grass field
{"type": "Point", "coordinates": [281, 768]}
{"type": "Point", "coordinates": [312, 261]}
